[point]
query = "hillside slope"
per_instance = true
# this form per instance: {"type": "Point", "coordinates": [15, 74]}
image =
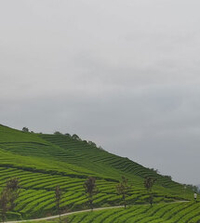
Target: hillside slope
{"type": "Point", "coordinates": [43, 161]}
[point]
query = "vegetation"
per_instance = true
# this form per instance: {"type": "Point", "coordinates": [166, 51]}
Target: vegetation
{"type": "Point", "coordinates": [8, 197]}
{"type": "Point", "coordinates": [148, 184]}
{"type": "Point", "coordinates": [90, 190]}
{"type": "Point", "coordinates": [123, 189]}
{"type": "Point", "coordinates": [25, 129]}
{"type": "Point", "coordinates": [58, 196]}
{"type": "Point", "coordinates": [43, 161]}
{"type": "Point", "coordinates": [185, 212]}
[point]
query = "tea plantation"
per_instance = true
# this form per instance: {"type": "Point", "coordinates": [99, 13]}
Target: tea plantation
{"type": "Point", "coordinates": [185, 212]}
{"type": "Point", "coordinates": [43, 161]}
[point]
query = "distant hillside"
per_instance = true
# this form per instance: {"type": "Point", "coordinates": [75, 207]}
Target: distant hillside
{"type": "Point", "coordinates": [43, 161]}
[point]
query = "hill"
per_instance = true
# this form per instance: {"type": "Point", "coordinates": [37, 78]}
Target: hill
{"type": "Point", "coordinates": [43, 161]}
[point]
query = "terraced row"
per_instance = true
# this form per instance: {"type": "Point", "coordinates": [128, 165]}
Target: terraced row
{"type": "Point", "coordinates": [167, 213]}
{"type": "Point", "coordinates": [85, 156]}
{"type": "Point", "coordinates": [37, 192]}
{"type": "Point", "coordinates": [97, 158]}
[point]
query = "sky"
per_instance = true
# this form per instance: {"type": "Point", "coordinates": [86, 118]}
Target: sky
{"type": "Point", "coordinates": [124, 74]}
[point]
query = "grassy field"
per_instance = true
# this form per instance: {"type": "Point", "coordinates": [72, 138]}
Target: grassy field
{"type": "Point", "coordinates": [43, 161]}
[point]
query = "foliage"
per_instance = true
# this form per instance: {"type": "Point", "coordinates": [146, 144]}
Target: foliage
{"type": "Point", "coordinates": [90, 189]}
{"type": "Point", "coordinates": [58, 197]}
{"type": "Point", "coordinates": [25, 129]}
{"type": "Point", "coordinates": [92, 143]}
{"type": "Point", "coordinates": [76, 137]}
{"type": "Point", "coordinates": [148, 184]}
{"type": "Point", "coordinates": [67, 134]}
{"type": "Point", "coordinates": [12, 187]}
{"type": "Point", "coordinates": [123, 189]}
{"type": "Point", "coordinates": [57, 133]}
{"type": "Point", "coordinates": [4, 200]}
{"type": "Point", "coordinates": [8, 196]}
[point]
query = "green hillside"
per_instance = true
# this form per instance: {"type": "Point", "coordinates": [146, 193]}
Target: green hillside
{"type": "Point", "coordinates": [43, 161]}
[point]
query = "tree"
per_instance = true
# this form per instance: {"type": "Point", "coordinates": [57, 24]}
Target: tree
{"type": "Point", "coordinates": [123, 189]}
{"type": "Point", "coordinates": [92, 143]}
{"type": "Point", "coordinates": [76, 137]}
{"type": "Point", "coordinates": [13, 187]}
{"type": "Point", "coordinates": [90, 190]}
{"type": "Point", "coordinates": [67, 134]}
{"type": "Point", "coordinates": [101, 148]}
{"type": "Point", "coordinates": [8, 197]}
{"type": "Point", "coordinates": [25, 129]}
{"type": "Point", "coordinates": [57, 133]}
{"type": "Point", "coordinates": [148, 184]}
{"type": "Point", "coordinates": [58, 197]}
{"type": "Point", "coordinates": [4, 200]}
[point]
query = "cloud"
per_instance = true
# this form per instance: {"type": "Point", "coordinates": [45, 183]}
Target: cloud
{"type": "Point", "coordinates": [124, 75]}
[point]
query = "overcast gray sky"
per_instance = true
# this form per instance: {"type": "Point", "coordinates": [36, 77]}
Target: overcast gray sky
{"type": "Point", "coordinates": [122, 73]}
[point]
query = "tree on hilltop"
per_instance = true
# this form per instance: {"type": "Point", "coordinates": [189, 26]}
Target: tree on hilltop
{"type": "Point", "coordinates": [74, 136]}
{"type": "Point", "coordinates": [92, 143]}
{"type": "Point", "coordinates": [67, 134]}
{"type": "Point", "coordinates": [57, 133]}
{"type": "Point", "coordinates": [25, 129]}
